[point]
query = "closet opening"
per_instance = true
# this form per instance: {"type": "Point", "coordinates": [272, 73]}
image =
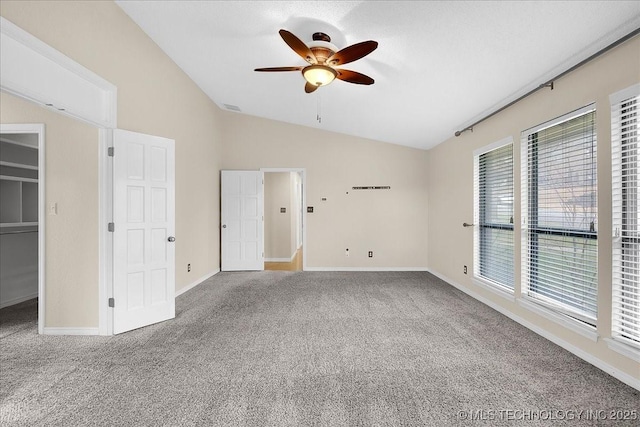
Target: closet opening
{"type": "Point", "coordinates": [22, 225]}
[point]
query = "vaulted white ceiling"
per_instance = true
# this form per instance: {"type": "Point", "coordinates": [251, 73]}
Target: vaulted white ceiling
{"type": "Point", "coordinates": [439, 65]}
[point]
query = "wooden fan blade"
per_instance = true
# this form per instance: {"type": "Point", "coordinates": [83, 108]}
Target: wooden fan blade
{"type": "Point", "coordinates": [308, 88]}
{"type": "Point", "coordinates": [279, 69]}
{"type": "Point", "coordinates": [354, 77]}
{"type": "Point", "coordinates": [298, 46]}
{"type": "Point", "coordinates": [352, 53]}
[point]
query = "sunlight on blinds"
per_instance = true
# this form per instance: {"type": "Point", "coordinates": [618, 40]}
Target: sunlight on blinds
{"type": "Point", "coordinates": [493, 216]}
{"type": "Point", "coordinates": [626, 215]}
{"type": "Point", "coordinates": [560, 246]}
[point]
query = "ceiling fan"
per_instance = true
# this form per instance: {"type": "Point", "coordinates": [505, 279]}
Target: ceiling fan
{"type": "Point", "coordinates": [323, 57]}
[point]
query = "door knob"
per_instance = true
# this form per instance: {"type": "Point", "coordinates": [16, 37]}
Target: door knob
{"type": "Point", "coordinates": [171, 239]}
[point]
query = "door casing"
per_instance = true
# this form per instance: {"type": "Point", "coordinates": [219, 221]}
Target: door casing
{"type": "Point", "coordinates": [38, 129]}
{"type": "Point", "coordinates": [303, 175]}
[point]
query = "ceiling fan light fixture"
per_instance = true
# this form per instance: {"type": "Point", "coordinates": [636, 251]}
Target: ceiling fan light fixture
{"type": "Point", "coordinates": [319, 75]}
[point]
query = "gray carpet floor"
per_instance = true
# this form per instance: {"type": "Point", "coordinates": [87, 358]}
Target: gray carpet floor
{"type": "Point", "coordinates": [303, 349]}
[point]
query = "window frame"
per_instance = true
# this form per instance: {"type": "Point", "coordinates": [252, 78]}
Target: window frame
{"type": "Point", "coordinates": [477, 255]}
{"type": "Point", "coordinates": [529, 237]}
{"type": "Point", "coordinates": [618, 214]}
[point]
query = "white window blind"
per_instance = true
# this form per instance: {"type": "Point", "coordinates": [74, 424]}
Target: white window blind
{"type": "Point", "coordinates": [559, 209]}
{"type": "Point", "coordinates": [493, 214]}
{"type": "Point", "coordinates": [626, 215]}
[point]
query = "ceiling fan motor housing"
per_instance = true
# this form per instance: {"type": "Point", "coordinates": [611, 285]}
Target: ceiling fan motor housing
{"type": "Point", "coordinates": [321, 36]}
{"type": "Point", "coordinates": [322, 50]}
{"type": "Point", "coordinates": [322, 47]}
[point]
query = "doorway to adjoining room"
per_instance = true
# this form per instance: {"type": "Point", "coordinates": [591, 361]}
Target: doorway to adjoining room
{"type": "Point", "coordinates": [283, 249]}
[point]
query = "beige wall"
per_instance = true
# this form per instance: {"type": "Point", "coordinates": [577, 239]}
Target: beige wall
{"type": "Point", "coordinates": [71, 235]}
{"type": "Point", "coordinates": [154, 97]}
{"type": "Point", "coordinates": [277, 225]}
{"type": "Point", "coordinates": [451, 187]}
{"type": "Point", "coordinates": [429, 190]}
{"type": "Point", "coordinates": [391, 223]}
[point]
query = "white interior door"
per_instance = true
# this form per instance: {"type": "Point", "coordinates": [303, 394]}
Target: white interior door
{"type": "Point", "coordinates": [242, 220]}
{"type": "Point", "coordinates": [144, 222]}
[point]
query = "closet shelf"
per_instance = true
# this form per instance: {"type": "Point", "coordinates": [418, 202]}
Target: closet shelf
{"type": "Point", "coordinates": [17, 224]}
{"type": "Point", "coordinates": [17, 178]}
{"type": "Point", "coordinates": [19, 143]}
{"type": "Point", "coordinates": [18, 165]}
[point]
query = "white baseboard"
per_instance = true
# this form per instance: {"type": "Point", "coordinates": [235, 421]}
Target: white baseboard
{"type": "Point", "coordinates": [196, 283]}
{"type": "Point", "coordinates": [366, 269]}
{"type": "Point", "coordinates": [282, 259]}
{"type": "Point", "coordinates": [96, 331]}
{"type": "Point", "coordinates": [18, 300]}
{"type": "Point", "coordinates": [71, 331]}
{"type": "Point", "coordinates": [588, 357]}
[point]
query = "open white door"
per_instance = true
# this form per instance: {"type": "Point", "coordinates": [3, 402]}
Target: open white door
{"type": "Point", "coordinates": [242, 220]}
{"type": "Point", "coordinates": [144, 226]}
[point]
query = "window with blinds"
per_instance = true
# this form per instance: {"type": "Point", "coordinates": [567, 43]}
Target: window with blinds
{"type": "Point", "coordinates": [626, 215]}
{"type": "Point", "coordinates": [493, 214]}
{"type": "Point", "coordinates": [559, 208]}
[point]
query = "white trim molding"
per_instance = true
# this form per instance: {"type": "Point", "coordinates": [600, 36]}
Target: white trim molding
{"type": "Point", "coordinates": [196, 283]}
{"type": "Point", "coordinates": [623, 349]}
{"type": "Point", "coordinates": [496, 289]}
{"type": "Point", "coordinates": [576, 326]}
{"type": "Point", "coordinates": [105, 238]}
{"type": "Point", "coordinates": [590, 358]}
{"type": "Point", "coordinates": [39, 129]}
{"type": "Point", "coordinates": [71, 331]}
{"type": "Point", "coordinates": [69, 88]}
{"type": "Point", "coordinates": [303, 176]}
{"type": "Point", "coordinates": [280, 259]}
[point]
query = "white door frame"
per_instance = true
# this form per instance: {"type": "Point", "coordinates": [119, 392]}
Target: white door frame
{"type": "Point", "coordinates": [105, 238]}
{"type": "Point", "coordinates": [303, 174]}
{"type": "Point", "coordinates": [104, 124]}
{"type": "Point", "coordinates": [37, 128]}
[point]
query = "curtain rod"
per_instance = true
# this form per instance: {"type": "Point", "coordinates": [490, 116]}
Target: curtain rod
{"type": "Point", "coordinates": [549, 83]}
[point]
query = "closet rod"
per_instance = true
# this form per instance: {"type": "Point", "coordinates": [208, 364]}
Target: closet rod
{"type": "Point", "coordinates": [549, 83]}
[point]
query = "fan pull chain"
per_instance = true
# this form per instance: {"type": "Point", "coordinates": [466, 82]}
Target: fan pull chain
{"type": "Point", "coordinates": [319, 114]}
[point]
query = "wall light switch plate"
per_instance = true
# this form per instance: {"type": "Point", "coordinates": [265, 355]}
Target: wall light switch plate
{"type": "Point", "coordinates": [53, 208]}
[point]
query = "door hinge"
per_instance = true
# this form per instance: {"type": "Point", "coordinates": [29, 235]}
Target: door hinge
{"type": "Point", "coordinates": [111, 227]}
{"type": "Point", "coordinates": [112, 302]}
{"type": "Point", "coordinates": [110, 151]}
